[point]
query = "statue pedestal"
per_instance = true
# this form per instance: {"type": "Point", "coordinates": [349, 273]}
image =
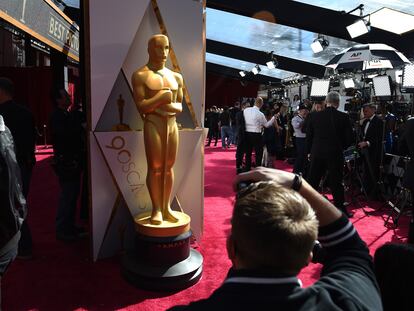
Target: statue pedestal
{"type": "Point", "coordinates": [162, 259]}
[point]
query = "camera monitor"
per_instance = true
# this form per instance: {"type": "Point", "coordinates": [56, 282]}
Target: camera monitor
{"type": "Point", "coordinates": [382, 87]}
{"type": "Point", "coordinates": [320, 88]}
{"type": "Point", "coordinates": [408, 78]}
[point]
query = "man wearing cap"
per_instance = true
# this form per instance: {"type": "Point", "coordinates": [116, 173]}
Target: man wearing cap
{"type": "Point", "coordinates": [300, 139]}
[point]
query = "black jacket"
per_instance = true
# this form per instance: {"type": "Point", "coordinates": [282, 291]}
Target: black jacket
{"type": "Point", "coordinates": [347, 281]}
{"type": "Point", "coordinates": [67, 135]}
{"type": "Point", "coordinates": [12, 202]}
{"type": "Point", "coordinates": [374, 136]}
{"type": "Point", "coordinates": [20, 121]}
{"type": "Point", "coordinates": [224, 118]}
{"type": "Point", "coordinates": [328, 133]}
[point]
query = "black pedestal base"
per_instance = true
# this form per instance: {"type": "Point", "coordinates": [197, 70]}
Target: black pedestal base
{"type": "Point", "coordinates": [162, 264]}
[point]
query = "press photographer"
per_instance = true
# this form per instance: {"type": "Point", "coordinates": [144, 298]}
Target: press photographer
{"type": "Point", "coordinates": [371, 145]}
{"type": "Point", "coordinates": [328, 134]}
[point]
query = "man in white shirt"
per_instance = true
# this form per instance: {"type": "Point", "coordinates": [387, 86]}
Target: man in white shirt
{"type": "Point", "coordinates": [255, 121]}
{"type": "Point", "coordinates": [300, 139]}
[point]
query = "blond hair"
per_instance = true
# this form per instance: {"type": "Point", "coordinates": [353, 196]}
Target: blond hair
{"type": "Point", "coordinates": [273, 228]}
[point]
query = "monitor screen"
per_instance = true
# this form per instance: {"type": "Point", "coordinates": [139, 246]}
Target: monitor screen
{"type": "Point", "coordinates": [320, 88]}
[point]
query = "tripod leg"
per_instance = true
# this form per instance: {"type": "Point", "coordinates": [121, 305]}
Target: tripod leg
{"type": "Point", "coordinates": [404, 201]}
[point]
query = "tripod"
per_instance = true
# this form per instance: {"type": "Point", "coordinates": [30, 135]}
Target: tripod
{"type": "Point", "coordinates": [354, 177]}
{"type": "Point", "coordinates": [376, 177]}
{"type": "Point", "coordinates": [351, 156]}
{"type": "Point", "coordinates": [402, 200]}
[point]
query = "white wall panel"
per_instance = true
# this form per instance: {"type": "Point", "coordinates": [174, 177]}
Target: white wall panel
{"type": "Point", "coordinates": [137, 55]}
{"type": "Point", "coordinates": [184, 23]}
{"type": "Point", "coordinates": [104, 193]}
{"type": "Point", "coordinates": [112, 29]}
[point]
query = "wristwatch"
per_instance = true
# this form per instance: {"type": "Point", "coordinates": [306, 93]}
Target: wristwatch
{"type": "Point", "coordinates": [297, 182]}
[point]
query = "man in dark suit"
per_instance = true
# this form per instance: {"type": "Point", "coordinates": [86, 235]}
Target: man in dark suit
{"type": "Point", "coordinates": [241, 139]}
{"type": "Point", "coordinates": [68, 149]}
{"type": "Point", "coordinates": [213, 125]}
{"type": "Point", "coordinates": [329, 133]}
{"type": "Point", "coordinates": [371, 147]}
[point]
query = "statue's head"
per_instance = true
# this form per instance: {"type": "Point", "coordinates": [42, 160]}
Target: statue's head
{"type": "Point", "coordinates": [158, 48]}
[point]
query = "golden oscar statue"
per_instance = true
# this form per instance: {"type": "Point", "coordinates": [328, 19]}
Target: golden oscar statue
{"type": "Point", "coordinates": [121, 126]}
{"type": "Point", "coordinates": [158, 93]}
{"type": "Point", "coordinates": [162, 258]}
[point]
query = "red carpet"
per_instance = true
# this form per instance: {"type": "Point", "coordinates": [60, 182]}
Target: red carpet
{"type": "Point", "coordinates": [62, 276]}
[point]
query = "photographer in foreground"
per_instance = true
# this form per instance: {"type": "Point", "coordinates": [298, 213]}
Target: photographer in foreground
{"type": "Point", "coordinates": [274, 227]}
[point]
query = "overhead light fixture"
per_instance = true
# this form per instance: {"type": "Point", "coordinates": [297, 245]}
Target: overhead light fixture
{"type": "Point", "coordinates": [242, 73]}
{"type": "Point", "coordinates": [319, 44]}
{"type": "Point", "coordinates": [360, 27]}
{"type": "Point", "coordinates": [272, 63]}
{"type": "Point", "coordinates": [392, 20]}
{"type": "Point", "coordinates": [349, 83]}
{"type": "Point", "coordinates": [256, 69]}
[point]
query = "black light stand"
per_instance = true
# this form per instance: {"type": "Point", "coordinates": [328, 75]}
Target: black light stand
{"type": "Point", "coordinates": [401, 202]}
{"type": "Point", "coordinates": [380, 183]}
{"type": "Point", "coordinates": [354, 174]}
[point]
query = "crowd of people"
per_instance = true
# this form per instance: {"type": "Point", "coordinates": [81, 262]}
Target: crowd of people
{"type": "Point", "coordinates": [320, 134]}
{"type": "Point", "coordinates": [280, 222]}
{"type": "Point", "coordinates": [279, 216]}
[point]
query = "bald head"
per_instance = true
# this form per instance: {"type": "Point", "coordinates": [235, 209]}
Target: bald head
{"type": "Point", "coordinates": [158, 49]}
{"type": "Point", "coordinates": [157, 38]}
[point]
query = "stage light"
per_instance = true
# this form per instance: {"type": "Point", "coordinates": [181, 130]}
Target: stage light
{"type": "Point", "coordinates": [320, 88]}
{"type": "Point", "coordinates": [408, 77]}
{"type": "Point", "coordinates": [272, 63]}
{"type": "Point", "coordinates": [382, 86]}
{"type": "Point", "coordinates": [358, 28]}
{"type": "Point", "coordinates": [349, 83]}
{"type": "Point", "coordinates": [319, 44]}
{"type": "Point", "coordinates": [392, 20]}
{"type": "Point", "coordinates": [256, 69]}
{"type": "Point", "coordinates": [242, 73]}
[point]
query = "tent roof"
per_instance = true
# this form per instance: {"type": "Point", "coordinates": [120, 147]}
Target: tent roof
{"type": "Point", "coordinates": [242, 32]}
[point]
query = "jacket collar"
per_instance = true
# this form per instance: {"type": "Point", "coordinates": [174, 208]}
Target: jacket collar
{"type": "Point", "coordinates": [260, 277]}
